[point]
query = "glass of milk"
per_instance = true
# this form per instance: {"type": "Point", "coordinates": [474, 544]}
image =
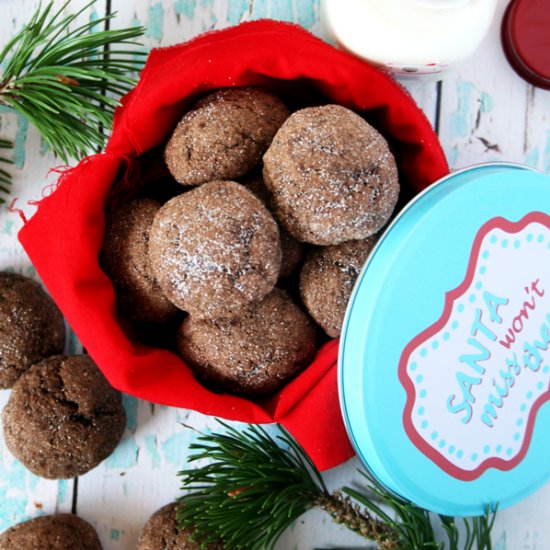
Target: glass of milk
{"type": "Point", "coordinates": [409, 38]}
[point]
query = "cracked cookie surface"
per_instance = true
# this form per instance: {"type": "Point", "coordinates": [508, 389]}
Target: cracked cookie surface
{"type": "Point", "coordinates": [255, 354]}
{"type": "Point", "coordinates": [224, 135]}
{"type": "Point", "coordinates": [332, 176]}
{"type": "Point", "coordinates": [63, 417]}
{"type": "Point", "coordinates": [31, 326]}
{"type": "Point", "coordinates": [125, 258]}
{"type": "Point", "coordinates": [59, 532]}
{"type": "Point", "coordinates": [215, 249]}
{"type": "Point", "coordinates": [292, 250]}
{"type": "Point", "coordinates": [327, 279]}
{"type": "Point", "coordinates": [161, 532]}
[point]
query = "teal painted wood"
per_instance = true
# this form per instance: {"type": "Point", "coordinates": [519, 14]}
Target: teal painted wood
{"type": "Point", "coordinates": [490, 114]}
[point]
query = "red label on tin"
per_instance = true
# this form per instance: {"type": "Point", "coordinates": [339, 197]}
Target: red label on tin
{"type": "Point", "coordinates": [476, 378]}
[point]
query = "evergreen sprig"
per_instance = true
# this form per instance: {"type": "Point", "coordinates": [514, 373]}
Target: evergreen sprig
{"type": "Point", "coordinates": [5, 176]}
{"type": "Point", "coordinates": [253, 486]}
{"type": "Point", "coordinates": [67, 81]}
{"type": "Point", "coordinates": [414, 524]}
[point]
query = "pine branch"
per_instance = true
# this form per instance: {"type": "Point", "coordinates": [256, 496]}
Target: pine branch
{"type": "Point", "coordinates": [254, 486]}
{"type": "Point", "coordinates": [411, 523]}
{"type": "Point", "coordinates": [344, 512]}
{"type": "Point", "coordinates": [5, 176]}
{"type": "Point", "coordinates": [60, 79]}
{"type": "Point", "coordinates": [250, 492]}
{"type": "Point", "coordinates": [414, 524]}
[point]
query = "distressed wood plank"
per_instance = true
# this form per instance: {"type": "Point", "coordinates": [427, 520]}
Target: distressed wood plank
{"type": "Point", "coordinates": [139, 477]}
{"type": "Point", "coordinates": [484, 107]}
{"type": "Point", "coordinates": [536, 139]}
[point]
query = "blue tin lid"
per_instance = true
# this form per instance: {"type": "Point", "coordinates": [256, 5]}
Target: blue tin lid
{"type": "Point", "coordinates": [444, 365]}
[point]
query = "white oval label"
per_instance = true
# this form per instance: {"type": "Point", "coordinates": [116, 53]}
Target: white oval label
{"type": "Point", "coordinates": [476, 378]}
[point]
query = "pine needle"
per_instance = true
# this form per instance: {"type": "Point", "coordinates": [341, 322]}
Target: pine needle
{"type": "Point", "coordinates": [478, 531]}
{"type": "Point", "coordinates": [250, 491]}
{"type": "Point", "coordinates": [67, 81]}
{"type": "Point", "coordinates": [413, 524]}
{"type": "Point", "coordinates": [253, 486]}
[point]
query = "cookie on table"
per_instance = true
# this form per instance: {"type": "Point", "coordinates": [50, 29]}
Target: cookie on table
{"type": "Point", "coordinates": [332, 176]}
{"type": "Point", "coordinates": [161, 532]}
{"type": "Point", "coordinates": [125, 259]}
{"type": "Point", "coordinates": [31, 326]}
{"type": "Point", "coordinates": [253, 355]}
{"type": "Point", "coordinates": [214, 250]}
{"type": "Point", "coordinates": [224, 135]}
{"type": "Point", "coordinates": [327, 279]}
{"type": "Point", "coordinates": [292, 250]}
{"type": "Point", "coordinates": [57, 532]}
{"type": "Point", "coordinates": [63, 417]}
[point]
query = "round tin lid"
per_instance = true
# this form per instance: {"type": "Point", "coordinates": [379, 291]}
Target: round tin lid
{"type": "Point", "coordinates": [526, 40]}
{"type": "Point", "coordinates": [444, 364]}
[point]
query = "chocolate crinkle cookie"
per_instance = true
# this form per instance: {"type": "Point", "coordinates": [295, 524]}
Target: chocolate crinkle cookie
{"type": "Point", "coordinates": [253, 355]}
{"type": "Point", "coordinates": [327, 279]}
{"type": "Point", "coordinates": [57, 532]}
{"type": "Point", "coordinates": [215, 249]}
{"type": "Point", "coordinates": [292, 250]}
{"type": "Point", "coordinates": [63, 418]}
{"type": "Point", "coordinates": [125, 259]}
{"type": "Point", "coordinates": [31, 326]}
{"type": "Point", "coordinates": [292, 253]}
{"type": "Point", "coordinates": [224, 135]}
{"type": "Point", "coordinates": [161, 532]}
{"type": "Point", "coordinates": [332, 176]}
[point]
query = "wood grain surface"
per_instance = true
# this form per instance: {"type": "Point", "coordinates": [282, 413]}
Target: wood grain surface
{"type": "Point", "coordinates": [482, 111]}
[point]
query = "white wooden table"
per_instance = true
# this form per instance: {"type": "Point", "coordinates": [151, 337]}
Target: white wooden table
{"type": "Point", "coordinates": [482, 112]}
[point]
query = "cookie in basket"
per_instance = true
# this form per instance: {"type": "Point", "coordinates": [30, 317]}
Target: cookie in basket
{"type": "Point", "coordinates": [255, 354]}
{"type": "Point", "coordinates": [214, 250]}
{"type": "Point", "coordinates": [327, 278]}
{"type": "Point", "coordinates": [125, 259]}
{"type": "Point", "coordinates": [224, 135]}
{"type": "Point", "coordinates": [292, 250]}
{"type": "Point", "coordinates": [332, 176]}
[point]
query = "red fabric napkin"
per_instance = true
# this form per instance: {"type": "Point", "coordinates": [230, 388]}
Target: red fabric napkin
{"type": "Point", "coordinates": [65, 235]}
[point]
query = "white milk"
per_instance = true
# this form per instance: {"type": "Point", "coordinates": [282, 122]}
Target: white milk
{"type": "Point", "coordinates": [409, 37]}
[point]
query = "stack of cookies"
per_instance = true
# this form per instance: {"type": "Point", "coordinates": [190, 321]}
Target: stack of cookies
{"type": "Point", "coordinates": [277, 212]}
